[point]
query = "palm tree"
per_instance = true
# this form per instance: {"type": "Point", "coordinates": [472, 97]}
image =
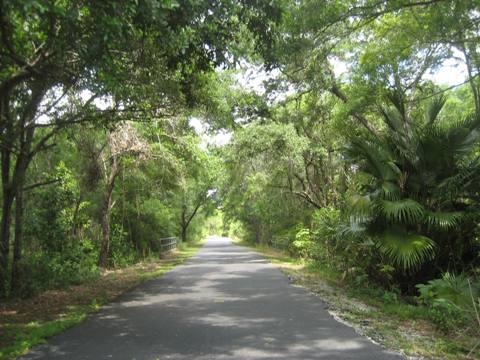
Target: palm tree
{"type": "Point", "coordinates": [418, 179]}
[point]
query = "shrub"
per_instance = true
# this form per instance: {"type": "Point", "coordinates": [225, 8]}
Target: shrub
{"type": "Point", "coordinates": [337, 240]}
{"type": "Point", "coordinates": [450, 300]}
{"type": "Point", "coordinates": [48, 270]}
{"type": "Point", "coordinates": [122, 251]}
{"type": "Point", "coordinates": [303, 246]}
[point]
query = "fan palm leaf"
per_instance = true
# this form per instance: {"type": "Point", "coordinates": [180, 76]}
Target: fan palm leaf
{"type": "Point", "coordinates": [403, 211]}
{"type": "Point", "coordinates": [422, 169]}
{"type": "Point", "coordinates": [375, 158]}
{"type": "Point", "coordinates": [390, 190]}
{"type": "Point", "coordinates": [434, 108]}
{"type": "Point", "coordinates": [407, 251]}
{"type": "Point", "coordinates": [361, 207]}
{"type": "Point", "coordinates": [443, 220]}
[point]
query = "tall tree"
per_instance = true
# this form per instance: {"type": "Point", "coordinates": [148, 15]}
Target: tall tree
{"type": "Point", "coordinates": [44, 60]}
{"type": "Point", "coordinates": [122, 142]}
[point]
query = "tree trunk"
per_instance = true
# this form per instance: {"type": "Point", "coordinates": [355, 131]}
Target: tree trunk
{"type": "Point", "coordinates": [23, 160]}
{"type": "Point", "coordinates": [186, 220]}
{"type": "Point", "coordinates": [17, 247]}
{"type": "Point", "coordinates": [184, 233]}
{"type": "Point", "coordinates": [7, 203]}
{"type": "Point", "coordinates": [184, 224]}
{"type": "Point", "coordinates": [19, 132]}
{"type": "Point", "coordinates": [106, 214]}
{"type": "Point", "coordinates": [5, 238]}
{"type": "Point", "coordinates": [105, 247]}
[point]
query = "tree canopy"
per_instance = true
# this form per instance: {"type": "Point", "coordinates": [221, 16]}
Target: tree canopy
{"type": "Point", "coordinates": [359, 136]}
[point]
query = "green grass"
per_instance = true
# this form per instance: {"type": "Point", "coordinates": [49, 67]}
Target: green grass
{"type": "Point", "coordinates": [34, 333]}
{"type": "Point", "coordinates": [20, 337]}
{"type": "Point", "coordinates": [374, 312]}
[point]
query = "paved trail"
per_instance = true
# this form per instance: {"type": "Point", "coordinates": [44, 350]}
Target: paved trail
{"type": "Point", "coordinates": [224, 303]}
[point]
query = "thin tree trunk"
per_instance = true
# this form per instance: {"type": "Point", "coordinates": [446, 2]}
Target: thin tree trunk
{"type": "Point", "coordinates": [74, 228]}
{"type": "Point", "coordinates": [184, 233]}
{"type": "Point", "coordinates": [7, 203]}
{"type": "Point", "coordinates": [184, 224]}
{"type": "Point", "coordinates": [5, 238]}
{"type": "Point", "coordinates": [17, 247]}
{"type": "Point", "coordinates": [186, 220]}
{"type": "Point", "coordinates": [106, 215]}
{"type": "Point", "coordinates": [7, 194]}
{"type": "Point", "coordinates": [105, 247]}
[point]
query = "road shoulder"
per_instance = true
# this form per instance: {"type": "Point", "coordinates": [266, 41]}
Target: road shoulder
{"type": "Point", "coordinates": [390, 325]}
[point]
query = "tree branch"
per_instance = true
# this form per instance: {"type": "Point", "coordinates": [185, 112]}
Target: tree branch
{"type": "Point", "coordinates": [43, 183]}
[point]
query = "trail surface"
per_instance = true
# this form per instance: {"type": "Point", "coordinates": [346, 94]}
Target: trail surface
{"type": "Point", "coordinates": [224, 303]}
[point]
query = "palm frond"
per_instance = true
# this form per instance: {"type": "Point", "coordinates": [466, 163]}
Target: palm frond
{"type": "Point", "coordinates": [361, 207]}
{"type": "Point", "coordinates": [390, 190]}
{"type": "Point", "coordinates": [393, 119]}
{"type": "Point", "coordinates": [443, 220]}
{"type": "Point", "coordinates": [407, 251]}
{"type": "Point", "coordinates": [462, 136]}
{"type": "Point", "coordinates": [451, 289]}
{"type": "Point", "coordinates": [434, 108]}
{"type": "Point", "coordinates": [376, 159]}
{"type": "Point", "coordinates": [464, 177]}
{"type": "Point", "coordinates": [397, 99]}
{"type": "Point", "coordinates": [353, 227]}
{"type": "Point", "coordinates": [403, 211]}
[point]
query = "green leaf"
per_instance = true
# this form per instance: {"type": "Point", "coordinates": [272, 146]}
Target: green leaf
{"type": "Point", "coordinates": [434, 108]}
{"type": "Point", "coordinates": [361, 207]}
{"type": "Point", "coordinates": [408, 251]}
{"type": "Point", "coordinates": [403, 211]}
{"type": "Point", "coordinates": [390, 190]}
{"type": "Point", "coordinates": [443, 220]}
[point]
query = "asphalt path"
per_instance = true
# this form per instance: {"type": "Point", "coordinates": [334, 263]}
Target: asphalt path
{"type": "Point", "coordinates": [224, 303]}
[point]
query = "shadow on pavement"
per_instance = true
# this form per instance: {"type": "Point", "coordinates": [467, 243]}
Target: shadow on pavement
{"type": "Point", "coordinates": [224, 303]}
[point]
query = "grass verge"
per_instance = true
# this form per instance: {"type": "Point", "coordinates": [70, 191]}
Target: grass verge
{"type": "Point", "coordinates": [374, 313]}
{"type": "Point", "coordinates": [28, 322]}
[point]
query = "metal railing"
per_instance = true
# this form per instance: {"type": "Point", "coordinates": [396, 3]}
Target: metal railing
{"type": "Point", "coordinates": [168, 244]}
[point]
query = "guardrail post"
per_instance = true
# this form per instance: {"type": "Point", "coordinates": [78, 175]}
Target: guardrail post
{"type": "Point", "coordinates": [168, 244]}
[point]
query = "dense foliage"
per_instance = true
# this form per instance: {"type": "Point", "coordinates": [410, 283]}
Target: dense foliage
{"type": "Point", "coordinates": [98, 160]}
{"type": "Point", "coordinates": [352, 154]}
{"type": "Point", "coordinates": [366, 163]}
